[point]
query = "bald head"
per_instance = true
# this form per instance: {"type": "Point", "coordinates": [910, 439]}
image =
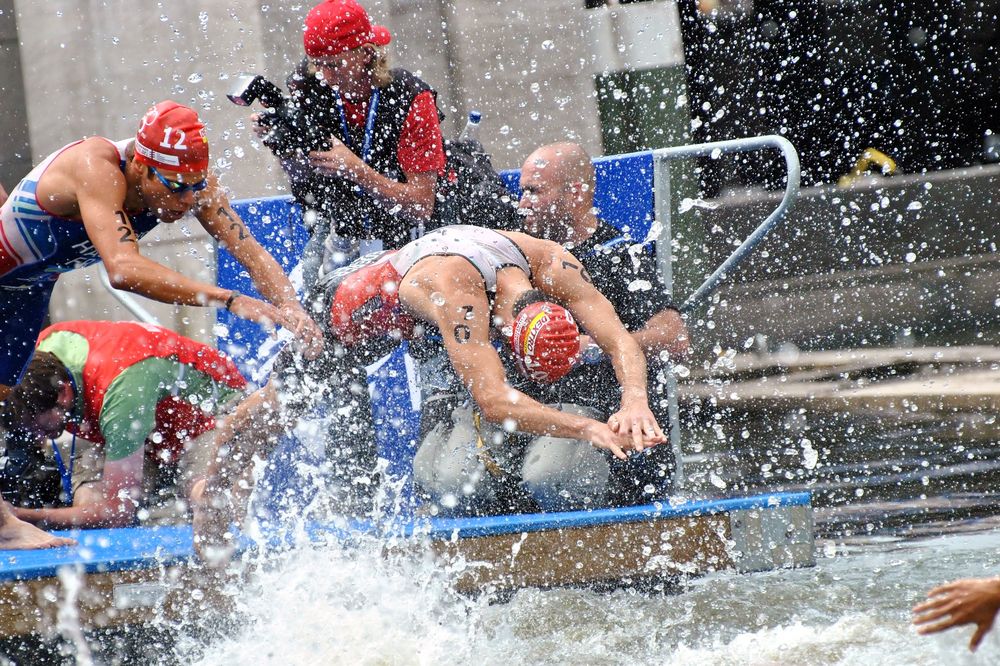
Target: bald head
{"type": "Point", "coordinates": [557, 182]}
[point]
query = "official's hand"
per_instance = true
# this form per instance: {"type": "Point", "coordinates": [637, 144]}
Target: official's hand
{"type": "Point", "coordinates": [602, 437]}
{"type": "Point", "coordinates": [338, 161]}
{"type": "Point", "coordinates": [637, 423]}
{"type": "Point", "coordinates": [296, 320]}
{"type": "Point", "coordinates": [968, 601]}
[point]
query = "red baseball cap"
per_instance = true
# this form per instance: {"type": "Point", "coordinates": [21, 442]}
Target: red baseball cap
{"type": "Point", "coordinates": [336, 26]}
{"type": "Point", "coordinates": [171, 137]}
{"type": "Point", "coordinates": [545, 341]}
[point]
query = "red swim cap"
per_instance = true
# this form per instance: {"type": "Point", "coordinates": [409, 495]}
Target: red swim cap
{"type": "Point", "coordinates": [335, 26]}
{"type": "Point", "coordinates": [546, 341]}
{"type": "Point", "coordinates": [171, 137]}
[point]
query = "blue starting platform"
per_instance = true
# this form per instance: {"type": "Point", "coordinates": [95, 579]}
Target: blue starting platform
{"type": "Point", "coordinates": [134, 575]}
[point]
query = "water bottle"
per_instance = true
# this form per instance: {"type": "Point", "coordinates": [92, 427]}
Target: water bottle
{"type": "Point", "coordinates": [471, 131]}
{"type": "Point", "coordinates": [470, 134]}
{"type": "Point", "coordinates": [991, 147]}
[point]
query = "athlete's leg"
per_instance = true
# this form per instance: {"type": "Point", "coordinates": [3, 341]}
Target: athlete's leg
{"type": "Point", "coordinates": [22, 313]}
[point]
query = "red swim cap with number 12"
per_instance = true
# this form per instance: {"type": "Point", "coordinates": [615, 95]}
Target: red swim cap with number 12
{"type": "Point", "coordinates": [171, 138]}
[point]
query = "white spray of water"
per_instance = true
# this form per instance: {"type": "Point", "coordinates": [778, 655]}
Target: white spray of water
{"type": "Point", "coordinates": [330, 604]}
{"type": "Point", "coordinates": [68, 617]}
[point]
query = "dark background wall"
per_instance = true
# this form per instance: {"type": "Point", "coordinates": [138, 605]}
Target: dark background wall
{"type": "Point", "coordinates": [918, 80]}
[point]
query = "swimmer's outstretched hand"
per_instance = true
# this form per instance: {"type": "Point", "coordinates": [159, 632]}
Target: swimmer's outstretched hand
{"type": "Point", "coordinates": [636, 422]}
{"type": "Point", "coordinates": [602, 437]}
{"type": "Point", "coordinates": [295, 319]}
{"type": "Point", "coordinates": [291, 315]}
{"type": "Point", "coordinates": [968, 601]}
{"type": "Point", "coordinates": [214, 539]}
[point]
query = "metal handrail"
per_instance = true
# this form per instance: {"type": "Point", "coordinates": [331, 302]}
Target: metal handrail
{"type": "Point", "coordinates": [126, 299]}
{"type": "Point", "coordinates": [661, 185]}
{"type": "Point", "coordinates": [792, 186]}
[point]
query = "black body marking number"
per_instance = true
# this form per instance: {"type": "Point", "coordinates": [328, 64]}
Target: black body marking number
{"type": "Point", "coordinates": [583, 271]}
{"type": "Point", "coordinates": [128, 236]}
{"type": "Point", "coordinates": [463, 332]}
{"type": "Point", "coordinates": [236, 224]}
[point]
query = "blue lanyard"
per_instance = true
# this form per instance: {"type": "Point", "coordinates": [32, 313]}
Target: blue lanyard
{"type": "Point", "coordinates": [66, 474]}
{"type": "Point", "coordinates": [366, 148]}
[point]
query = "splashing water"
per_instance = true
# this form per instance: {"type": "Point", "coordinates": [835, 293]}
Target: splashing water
{"type": "Point", "coordinates": [68, 617]}
{"type": "Point", "coordinates": [333, 603]}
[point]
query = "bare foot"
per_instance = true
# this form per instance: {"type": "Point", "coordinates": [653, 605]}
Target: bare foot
{"type": "Point", "coordinates": [15, 534]}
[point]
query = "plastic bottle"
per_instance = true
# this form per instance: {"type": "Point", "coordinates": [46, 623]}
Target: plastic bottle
{"type": "Point", "coordinates": [471, 130]}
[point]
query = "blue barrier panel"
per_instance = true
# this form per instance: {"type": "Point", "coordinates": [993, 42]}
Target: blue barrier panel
{"type": "Point", "coordinates": [624, 196]}
{"type": "Point", "coordinates": [277, 224]}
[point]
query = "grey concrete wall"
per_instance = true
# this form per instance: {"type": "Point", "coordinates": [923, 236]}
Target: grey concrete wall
{"type": "Point", "coordinates": [15, 151]}
{"type": "Point", "coordinates": [913, 256]}
{"type": "Point", "coordinates": [93, 67]}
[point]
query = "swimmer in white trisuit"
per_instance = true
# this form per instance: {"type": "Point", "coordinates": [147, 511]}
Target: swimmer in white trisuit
{"type": "Point", "coordinates": [465, 281]}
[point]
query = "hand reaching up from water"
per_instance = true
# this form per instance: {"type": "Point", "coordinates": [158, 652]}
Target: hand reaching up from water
{"type": "Point", "coordinates": [968, 601]}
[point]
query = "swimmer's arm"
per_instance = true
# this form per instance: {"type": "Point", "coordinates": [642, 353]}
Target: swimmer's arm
{"type": "Point", "coordinates": [100, 192]}
{"type": "Point", "coordinates": [565, 278]}
{"type": "Point", "coordinates": [247, 431]}
{"type": "Point", "coordinates": [224, 224]}
{"type": "Point", "coordinates": [464, 323]}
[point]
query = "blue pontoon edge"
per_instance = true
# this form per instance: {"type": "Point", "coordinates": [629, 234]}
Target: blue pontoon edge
{"type": "Point", "coordinates": [109, 550]}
